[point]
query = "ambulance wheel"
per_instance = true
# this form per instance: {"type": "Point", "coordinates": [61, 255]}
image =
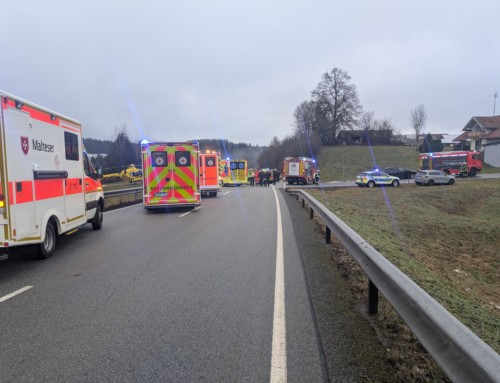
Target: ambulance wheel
{"type": "Point", "coordinates": [97, 221]}
{"type": "Point", "coordinates": [48, 246]}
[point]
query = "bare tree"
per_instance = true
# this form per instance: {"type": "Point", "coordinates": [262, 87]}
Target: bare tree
{"type": "Point", "coordinates": [122, 152]}
{"type": "Point", "coordinates": [418, 118]}
{"type": "Point", "coordinates": [304, 116]}
{"type": "Point", "coordinates": [338, 105]}
{"type": "Point", "coordinates": [367, 120]}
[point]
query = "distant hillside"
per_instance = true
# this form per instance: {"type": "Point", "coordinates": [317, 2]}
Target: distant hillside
{"type": "Point", "coordinates": [338, 163]}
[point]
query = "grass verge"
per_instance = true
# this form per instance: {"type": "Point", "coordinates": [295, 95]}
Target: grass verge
{"type": "Point", "coordinates": [446, 239]}
{"type": "Point", "coordinates": [343, 163]}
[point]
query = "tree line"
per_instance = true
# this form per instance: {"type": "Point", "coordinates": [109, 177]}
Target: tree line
{"type": "Point", "coordinates": [113, 156]}
{"type": "Point", "coordinates": [334, 106]}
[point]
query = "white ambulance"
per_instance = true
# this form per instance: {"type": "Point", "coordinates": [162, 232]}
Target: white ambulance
{"type": "Point", "coordinates": [48, 185]}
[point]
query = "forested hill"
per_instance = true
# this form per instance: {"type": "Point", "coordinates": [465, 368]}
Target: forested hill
{"type": "Point", "coordinates": [93, 146]}
{"type": "Point", "coordinates": [227, 148]}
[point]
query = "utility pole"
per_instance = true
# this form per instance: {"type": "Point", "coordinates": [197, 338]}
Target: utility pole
{"type": "Point", "coordinates": [495, 101]}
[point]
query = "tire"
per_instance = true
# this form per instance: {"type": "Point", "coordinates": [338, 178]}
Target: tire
{"type": "Point", "coordinates": [430, 183]}
{"type": "Point", "coordinates": [97, 221]}
{"type": "Point", "coordinates": [370, 184]}
{"type": "Point", "coordinates": [395, 183]}
{"type": "Point", "coordinates": [472, 172]}
{"type": "Point", "coordinates": [48, 246]}
{"type": "Point", "coordinates": [451, 182]}
{"type": "Point", "coordinates": [412, 176]}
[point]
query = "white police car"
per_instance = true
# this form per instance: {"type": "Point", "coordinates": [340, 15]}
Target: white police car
{"type": "Point", "coordinates": [373, 178]}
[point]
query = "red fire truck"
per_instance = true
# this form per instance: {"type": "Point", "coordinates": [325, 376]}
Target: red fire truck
{"type": "Point", "coordinates": [461, 163]}
{"type": "Point", "coordinates": [300, 170]}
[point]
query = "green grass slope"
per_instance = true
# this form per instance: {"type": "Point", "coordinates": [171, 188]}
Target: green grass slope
{"type": "Point", "coordinates": [343, 163]}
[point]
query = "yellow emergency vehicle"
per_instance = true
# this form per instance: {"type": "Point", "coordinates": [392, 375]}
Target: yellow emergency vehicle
{"type": "Point", "coordinates": [234, 172]}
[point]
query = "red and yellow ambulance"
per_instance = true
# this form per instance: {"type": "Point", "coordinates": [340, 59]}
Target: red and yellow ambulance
{"type": "Point", "coordinates": [171, 174]}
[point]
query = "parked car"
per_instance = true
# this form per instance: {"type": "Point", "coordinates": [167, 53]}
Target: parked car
{"type": "Point", "coordinates": [434, 177]}
{"type": "Point", "coordinates": [402, 173]}
{"type": "Point", "coordinates": [372, 178]}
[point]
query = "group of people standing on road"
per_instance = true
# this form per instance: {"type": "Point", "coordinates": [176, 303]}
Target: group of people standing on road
{"type": "Point", "coordinates": [264, 176]}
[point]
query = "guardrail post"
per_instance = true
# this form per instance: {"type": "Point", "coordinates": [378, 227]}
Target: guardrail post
{"type": "Point", "coordinates": [328, 235]}
{"type": "Point", "coordinates": [311, 213]}
{"type": "Point", "coordinates": [303, 202]}
{"type": "Point", "coordinates": [372, 298]}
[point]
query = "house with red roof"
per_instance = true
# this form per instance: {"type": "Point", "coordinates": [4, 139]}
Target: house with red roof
{"type": "Point", "coordinates": [483, 134]}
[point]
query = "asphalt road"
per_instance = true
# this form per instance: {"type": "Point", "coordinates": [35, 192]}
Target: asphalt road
{"type": "Point", "coordinates": [176, 297]}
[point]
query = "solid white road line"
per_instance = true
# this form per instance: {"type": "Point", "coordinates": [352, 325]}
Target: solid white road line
{"type": "Point", "coordinates": [189, 212]}
{"type": "Point", "coordinates": [278, 356]}
{"type": "Point", "coordinates": [226, 193]}
{"type": "Point", "coordinates": [8, 296]}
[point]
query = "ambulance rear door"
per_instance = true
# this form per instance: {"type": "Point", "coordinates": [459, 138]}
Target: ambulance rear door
{"type": "Point", "coordinates": [157, 175]}
{"type": "Point", "coordinates": [209, 177]}
{"type": "Point", "coordinates": [185, 175]}
{"type": "Point", "coordinates": [293, 168]}
{"type": "Point", "coordinates": [170, 175]}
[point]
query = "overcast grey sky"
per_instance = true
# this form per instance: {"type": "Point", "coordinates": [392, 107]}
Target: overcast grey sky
{"type": "Point", "coordinates": [236, 69]}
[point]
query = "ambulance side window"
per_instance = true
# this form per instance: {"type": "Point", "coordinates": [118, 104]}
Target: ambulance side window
{"type": "Point", "coordinates": [71, 146]}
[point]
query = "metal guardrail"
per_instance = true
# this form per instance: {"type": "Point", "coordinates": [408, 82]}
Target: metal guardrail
{"type": "Point", "coordinates": [462, 355]}
{"type": "Point", "coordinates": [121, 192]}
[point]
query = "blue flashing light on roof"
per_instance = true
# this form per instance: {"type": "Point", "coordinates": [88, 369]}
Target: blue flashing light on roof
{"type": "Point", "coordinates": [227, 158]}
{"type": "Point", "coordinates": [144, 142]}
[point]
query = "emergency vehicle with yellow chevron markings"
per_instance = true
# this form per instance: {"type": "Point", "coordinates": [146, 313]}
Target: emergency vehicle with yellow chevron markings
{"type": "Point", "coordinates": [299, 170]}
{"type": "Point", "coordinates": [234, 172]}
{"type": "Point", "coordinates": [48, 185]}
{"type": "Point", "coordinates": [171, 175]}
